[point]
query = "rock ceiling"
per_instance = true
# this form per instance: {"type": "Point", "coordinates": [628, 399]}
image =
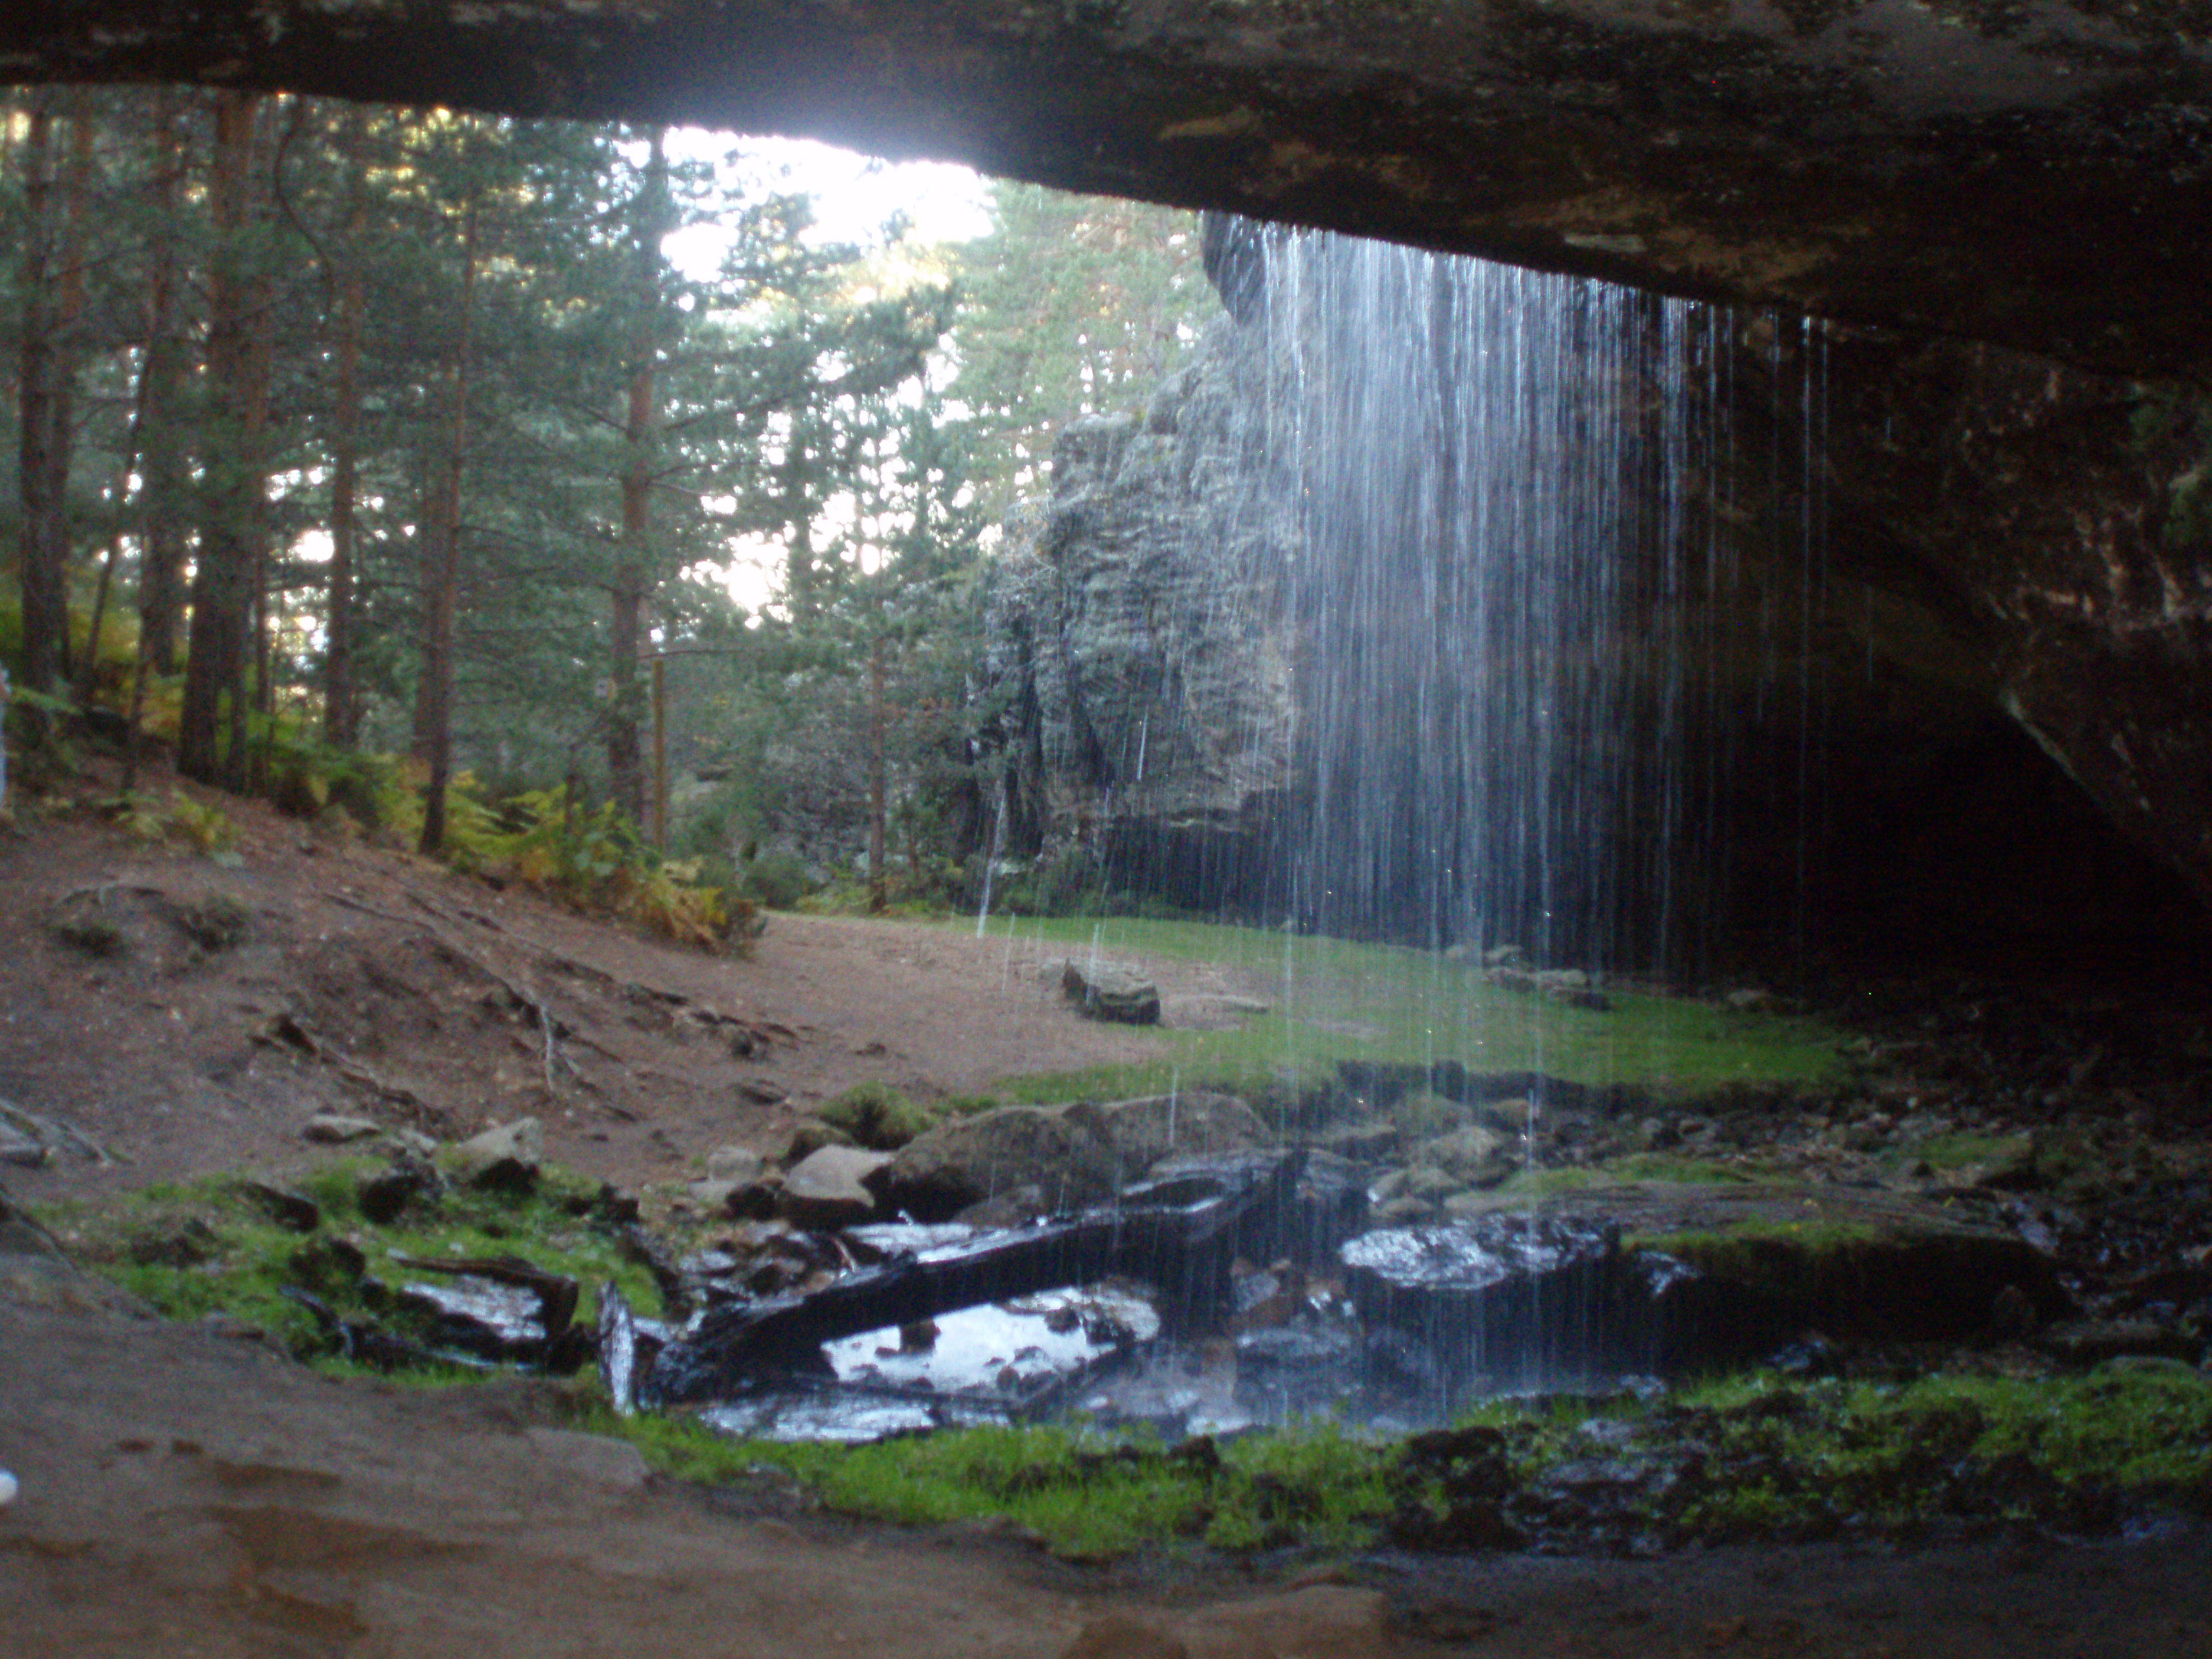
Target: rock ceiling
{"type": "Point", "coordinates": [2032, 172]}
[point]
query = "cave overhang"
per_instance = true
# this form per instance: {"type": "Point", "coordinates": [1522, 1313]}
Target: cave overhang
{"type": "Point", "coordinates": [2031, 173]}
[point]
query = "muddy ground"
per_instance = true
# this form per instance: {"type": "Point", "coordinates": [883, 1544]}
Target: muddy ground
{"type": "Point", "coordinates": [185, 1491]}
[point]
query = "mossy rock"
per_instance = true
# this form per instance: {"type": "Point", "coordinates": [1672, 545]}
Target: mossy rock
{"type": "Point", "coordinates": [878, 1117]}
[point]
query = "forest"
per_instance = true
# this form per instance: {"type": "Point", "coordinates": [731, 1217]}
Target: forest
{"type": "Point", "coordinates": [388, 462]}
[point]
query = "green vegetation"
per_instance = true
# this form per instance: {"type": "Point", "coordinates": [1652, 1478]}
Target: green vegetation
{"type": "Point", "coordinates": [1088, 1497]}
{"type": "Point", "coordinates": [212, 1246]}
{"type": "Point", "coordinates": [1334, 1000]}
{"type": "Point", "coordinates": [1748, 1457]}
{"type": "Point", "coordinates": [1658, 1167]}
{"type": "Point", "coordinates": [1753, 1456]}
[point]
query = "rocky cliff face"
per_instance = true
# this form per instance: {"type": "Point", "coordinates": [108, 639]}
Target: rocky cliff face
{"type": "Point", "coordinates": [1140, 661]}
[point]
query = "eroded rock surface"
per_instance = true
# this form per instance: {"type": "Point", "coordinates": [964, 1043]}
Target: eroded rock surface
{"type": "Point", "coordinates": [2034, 173]}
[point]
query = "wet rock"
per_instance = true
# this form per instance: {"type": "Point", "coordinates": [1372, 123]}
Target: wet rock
{"type": "Point", "coordinates": [1017, 1208]}
{"type": "Point", "coordinates": [829, 1188]}
{"type": "Point", "coordinates": [968, 1160]}
{"type": "Point", "coordinates": [1365, 1141]}
{"type": "Point", "coordinates": [1111, 993]}
{"type": "Point", "coordinates": [1139, 1134]}
{"type": "Point", "coordinates": [2091, 1341]}
{"type": "Point", "coordinates": [501, 1308]}
{"type": "Point", "coordinates": [808, 1136]}
{"type": "Point", "coordinates": [1473, 1156]}
{"type": "Point", "coordinates": [1405, 1210]}
{"type": "Point", "coordinates": [1504, 1301]}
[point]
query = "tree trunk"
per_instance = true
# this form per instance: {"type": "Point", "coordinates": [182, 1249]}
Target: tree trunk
{"type": "Point", "coordinates": [68, 325]}
{"type": "Point", "coordinates": [222, 583]}
{"type": "Point", "coordinates": [625, 766]}
{"type": "Point", "coordinates": [339, 711]}
{"type": "Point", "coordinates": [46, 612]}
{"type": "Point", "coordinates": [161, 585]}
{"type": "Point", "coordinates": [442, 572]}
{"type": "Point", "coordinates": [260, 371]}
{"type": "Point", "coordinates": [878, 785]}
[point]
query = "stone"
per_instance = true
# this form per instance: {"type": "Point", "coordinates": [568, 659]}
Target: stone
{"type": "Point", "coordinates": [2093, 1341]}
{"type": "Point", "coordinates": [735, 1164]}
{"type": "Point", "coordinates": [965, 1161]}
{"type": "Point", "coordinates": [330, 1129]}
{"type": "Point", "coordinates": [1139, 1134]}
{"type": "Point", "coordinates": [523, 1139]}
{"type": "Point", "coordinates": [295, 1212]}
{"type": "Point", "coordinates": [829, 1188]}
{"type": "Point", "coordinates": [411, 1181]}
{"type": "Point", "coordinates": [1119, 995]}
{"type": "Point", "coordinates": [1476, 1156]}
{"type": "Point", "coordinates": [19, 1149]}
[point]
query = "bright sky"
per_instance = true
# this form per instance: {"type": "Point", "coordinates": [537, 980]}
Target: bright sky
{"type": "Point", "coordinates": [853, 194]}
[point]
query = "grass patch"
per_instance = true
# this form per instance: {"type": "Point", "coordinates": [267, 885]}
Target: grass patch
{"type": "Point", "coordinates": [1746, 1457]}
{"type": "Point", "coordinates": [1638, 1167]}
{"type": "Point", "coordinates": [1088, 1498]}
{"type": "Point", "coordinates": [1333, 1000]}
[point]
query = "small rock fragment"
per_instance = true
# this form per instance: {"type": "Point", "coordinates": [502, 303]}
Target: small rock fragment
{"type": "Point", "coordinates": [329, 1129]}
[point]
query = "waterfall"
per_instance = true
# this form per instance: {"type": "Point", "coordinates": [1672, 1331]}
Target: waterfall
{"type": "Point", "coordinates": [1503, 482]}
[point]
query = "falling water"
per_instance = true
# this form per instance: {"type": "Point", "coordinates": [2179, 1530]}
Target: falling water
{"type": "Point", "coordinates": [1493, 470]}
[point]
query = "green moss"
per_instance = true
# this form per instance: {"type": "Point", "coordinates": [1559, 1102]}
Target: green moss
{"type": "Point", "coordinates": [1789, 1258]}
{"type": "Point", "coordinates": [1088, 1498]}
{"type": "Point", "coordinates": [240, 1263]}
{"type": "Point", "coordinates": [878, 1116]}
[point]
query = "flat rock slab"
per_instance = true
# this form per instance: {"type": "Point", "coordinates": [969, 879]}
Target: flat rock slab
{"type": "Point", "coordinates": [1772, 1259]}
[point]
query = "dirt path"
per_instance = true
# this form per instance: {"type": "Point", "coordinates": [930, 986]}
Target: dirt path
{"type": "Point", "coordinates": [370, 983]}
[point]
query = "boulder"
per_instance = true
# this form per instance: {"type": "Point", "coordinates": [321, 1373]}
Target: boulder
{"type": "Point", "coordinates": [1477, 1156]}
{"type": "Point", "coordinates": [829, 1188]}
{"type": "Point", "coordinates": [330, 1129]}
{"type": "Point", "coordinates": [961, 1162]}
{"type": "Point", "coordinates": [1139, 1134]}
{"type": "Point", "coordinates": [1114, 993]}
{"type": "Point", "coordinates": [523, 1140]}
